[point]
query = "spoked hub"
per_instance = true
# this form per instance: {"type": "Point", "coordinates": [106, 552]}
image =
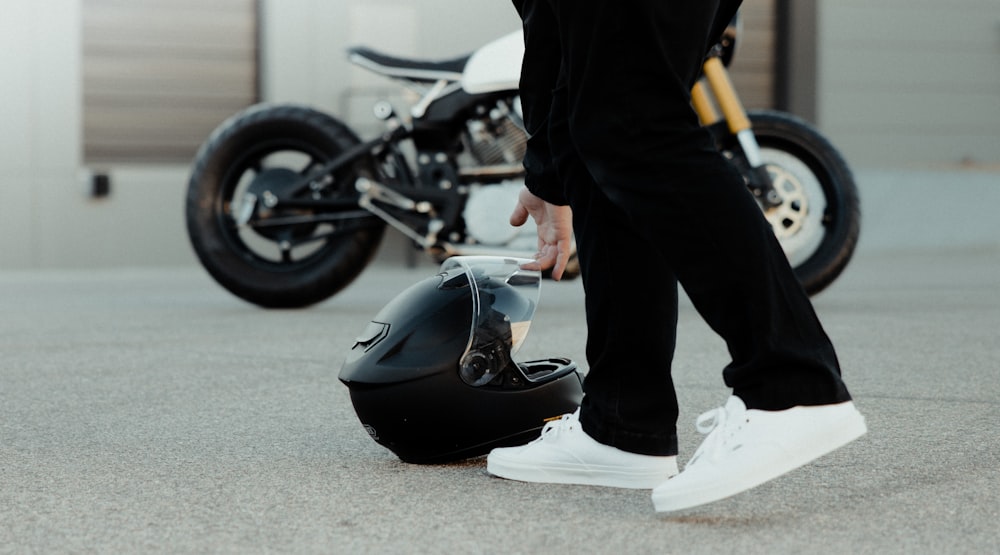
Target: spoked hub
{"type": "Point", "coordinates": [265, 223]}
{"type": "Point", "coordinates": [260, 200]}
{"type": "Point", "coordinates": [787, 217]}
{"type": "Point", "coordinates": [798, 219]}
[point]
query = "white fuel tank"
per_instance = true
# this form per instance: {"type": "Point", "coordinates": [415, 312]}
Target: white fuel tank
{"type": "Point", "coordinates": [496, 66]}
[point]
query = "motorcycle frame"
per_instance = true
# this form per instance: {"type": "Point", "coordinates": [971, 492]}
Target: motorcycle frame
{"type": "Point", "coordinates": [433, 189]}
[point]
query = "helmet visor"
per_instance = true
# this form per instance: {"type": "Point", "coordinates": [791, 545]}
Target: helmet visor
{"type": "Point", "coordinates": [504, 298]}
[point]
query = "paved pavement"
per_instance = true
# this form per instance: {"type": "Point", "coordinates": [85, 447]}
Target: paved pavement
{"type": "Point", "coordinates": [147, 410]}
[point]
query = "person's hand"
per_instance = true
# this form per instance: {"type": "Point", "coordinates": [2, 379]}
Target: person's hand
{"type": "Point", "coordinates": [555, 231]}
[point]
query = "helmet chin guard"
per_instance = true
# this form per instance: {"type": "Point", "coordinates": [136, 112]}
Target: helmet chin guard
{"type": "Point", "coordinates": [432, 377]}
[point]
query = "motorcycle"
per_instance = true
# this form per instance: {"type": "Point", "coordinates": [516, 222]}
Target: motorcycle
{"type": "Point", "coordinates": [286, 205]}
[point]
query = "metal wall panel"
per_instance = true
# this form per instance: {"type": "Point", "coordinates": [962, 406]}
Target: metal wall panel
{"type": "Point", "coordinates": [753, 67]}
{"type": "Point", "coordinates": [911, 82]}
{"type": "Point", "coordinates": [159, 75]}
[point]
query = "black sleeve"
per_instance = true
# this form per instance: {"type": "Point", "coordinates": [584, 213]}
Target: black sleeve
{"type": "Point", "coordinates": [539, 77]}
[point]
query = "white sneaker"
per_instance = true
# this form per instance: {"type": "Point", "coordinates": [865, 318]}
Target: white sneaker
{"type": "Point", "coordinates": [565, 454]}
{"type": "Point", "coordinates": [745, 448]}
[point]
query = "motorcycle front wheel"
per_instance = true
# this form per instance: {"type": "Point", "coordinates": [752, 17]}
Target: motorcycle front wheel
{"type": "Point", "coordinates": [262, 251]}
{"type": "Point", "coordinates": [818, 220]}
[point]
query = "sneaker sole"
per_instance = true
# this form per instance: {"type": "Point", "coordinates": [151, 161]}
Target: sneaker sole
{"type": "Point", "coordinates": [612, 477]}
{"type": "Point", "coordinates": [840, 434]}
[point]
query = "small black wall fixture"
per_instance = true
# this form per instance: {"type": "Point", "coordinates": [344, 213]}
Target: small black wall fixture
{"type": "Point", "coordinates": [100, 185]}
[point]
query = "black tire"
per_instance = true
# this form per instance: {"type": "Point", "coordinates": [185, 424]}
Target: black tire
{"type": "Point", "coordinates": [819, 220]}
{"type": "Point", "coordinates": [279, 143]}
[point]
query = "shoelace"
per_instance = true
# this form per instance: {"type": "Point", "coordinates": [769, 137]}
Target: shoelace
{"type": "Point", "coordinates": [553, 428]}
{"type": "Point", "coordinates": [719, 427]}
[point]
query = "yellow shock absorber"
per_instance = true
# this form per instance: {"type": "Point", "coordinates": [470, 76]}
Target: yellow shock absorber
{"type": "Point", "coordinates": [725, 95]}
{"type": "Point", "coordinates": [703, 104]}
{"type": "Point", "coordinates": [732, 109]}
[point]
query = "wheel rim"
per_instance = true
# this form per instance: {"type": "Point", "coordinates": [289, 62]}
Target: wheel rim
{"type": "Point", "coordinates": [252, 228]}
{"type": "Point", "coordinates": [798, 221]}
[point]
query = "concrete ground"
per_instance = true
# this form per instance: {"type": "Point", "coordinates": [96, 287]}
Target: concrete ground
{"type": "Point", "coordinates": [148, 410]}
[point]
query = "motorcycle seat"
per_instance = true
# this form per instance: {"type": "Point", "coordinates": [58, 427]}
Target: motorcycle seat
{"type": "Point", "coordinates": [406, 68]}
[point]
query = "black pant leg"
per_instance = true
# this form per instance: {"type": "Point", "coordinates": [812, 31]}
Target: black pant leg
{"type": "Point", "coordinates": [629, 66]}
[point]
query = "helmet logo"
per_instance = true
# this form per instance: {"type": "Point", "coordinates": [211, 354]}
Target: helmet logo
{"type": "Point", "coordinates": [371, 431]}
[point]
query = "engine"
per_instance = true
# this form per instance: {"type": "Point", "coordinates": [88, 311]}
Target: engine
{"type": "Point", "coordinates": [496, 142]}
{"type": "Point", "coordinates": [498, 136]}
{"type": "Point", "coordinates": [487, 212]}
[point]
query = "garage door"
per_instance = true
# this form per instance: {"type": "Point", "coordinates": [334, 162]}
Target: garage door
{"type": "Point", "coordinates": [753, 68]}
{"type": "Point", "coordinates": [911, 83]}
{"type": "Point", "coordinates": [159, 75]}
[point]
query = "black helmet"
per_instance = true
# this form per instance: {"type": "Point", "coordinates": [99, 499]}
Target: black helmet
{"type": "Point", "coordinates": [432, 376]}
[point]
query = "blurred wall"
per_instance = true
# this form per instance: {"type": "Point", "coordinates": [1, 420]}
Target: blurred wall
{"type": "Point", "coordinates": [911, 84]}
{"type": "Point", "coordinates": [48, 215]}
{"type": "Point", "coordinates": [40, 126]}
{"type": "Point", "coordinates": [897, 85]}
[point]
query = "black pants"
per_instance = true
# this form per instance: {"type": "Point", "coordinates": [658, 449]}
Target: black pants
{"type": "Point", "coordinates": [654, 203]}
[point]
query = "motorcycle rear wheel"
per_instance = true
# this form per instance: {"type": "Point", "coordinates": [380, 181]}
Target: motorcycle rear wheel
{"type": "Point", "coordinates": [819, 219]}
{"type": "Point", "coordinates": [281, 258]}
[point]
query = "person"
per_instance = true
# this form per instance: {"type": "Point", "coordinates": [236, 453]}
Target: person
{"type": "Point", "coordinates": [617, 159]}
